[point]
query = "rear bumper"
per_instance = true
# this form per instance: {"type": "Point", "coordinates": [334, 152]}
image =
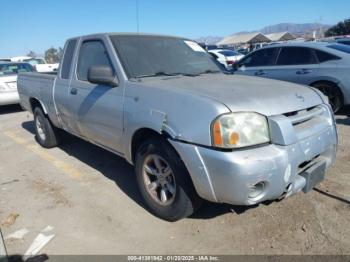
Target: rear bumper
{"type": "Point", "coordinates": [229, 177]}
{"type": "Point", "coordinates": [9, 98]}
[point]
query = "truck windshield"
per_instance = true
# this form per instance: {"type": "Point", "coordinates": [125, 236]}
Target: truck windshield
{"type": "Point", "coordinates": [14, 68]}
{"type": "Point", "coordinates": [143, 56]}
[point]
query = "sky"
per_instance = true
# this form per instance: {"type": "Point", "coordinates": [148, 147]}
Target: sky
{"type": "Point", "coordinates": [40, 24]}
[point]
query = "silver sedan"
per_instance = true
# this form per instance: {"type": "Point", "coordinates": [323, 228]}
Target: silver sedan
{"type": "Point", "coordinates": [325, 66]}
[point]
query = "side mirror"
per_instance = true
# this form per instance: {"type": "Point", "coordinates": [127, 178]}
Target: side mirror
{"type": "Point", "coordinates": [102, 75]}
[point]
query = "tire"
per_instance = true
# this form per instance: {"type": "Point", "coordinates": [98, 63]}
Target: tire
{"type": "Point", "coordinates": [333, 93]}
{"type": "Point", "coordinates": [174, 181]}
{"type": "Point", "coordinates": [45, 133]}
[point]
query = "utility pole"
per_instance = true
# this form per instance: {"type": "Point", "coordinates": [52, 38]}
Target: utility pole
{"type": "Point", "coordinates": [321, 28]}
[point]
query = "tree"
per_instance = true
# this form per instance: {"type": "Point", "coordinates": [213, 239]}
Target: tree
{"type": "Point", "coordinates": [32, 54]}
{"type": "Point", "coordinates": [60, 53]}
{"type": "Point", "coordinates": [52, 55]}
{"type": "Point", "coordinates": [342, 28]}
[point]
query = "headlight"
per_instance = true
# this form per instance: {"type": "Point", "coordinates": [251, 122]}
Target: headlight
{"type": "Point", "coordinates": [237, 130]}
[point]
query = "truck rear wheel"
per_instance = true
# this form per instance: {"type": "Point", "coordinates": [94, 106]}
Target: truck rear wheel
{"type": "Point", "coordinates": [45, 133]}
{"type": "Point", "coordinates": [164, 182]}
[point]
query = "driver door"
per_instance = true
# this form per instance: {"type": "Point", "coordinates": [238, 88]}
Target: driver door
{"type": "Point", "coordinates": [98, 108]}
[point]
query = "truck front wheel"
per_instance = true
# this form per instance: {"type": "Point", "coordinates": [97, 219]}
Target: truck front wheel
{"type": "Point", "coordinates": [45, 133]}
{"type": "Point", "coordinates": [164, 182]}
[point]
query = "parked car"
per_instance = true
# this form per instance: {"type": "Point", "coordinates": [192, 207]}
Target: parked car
{"type": "Point", "coordinates": [5, 60]}
{"type": "Point", "coordinates": [344, 41]}
{"type": "Point", "coordinates": [191, 131]}
{"type": "Point", "coordinates": [8, 81]}
{"type": "Point", "coordinates": [19, 58]}
{"type": "Point", "coordinates": [324, 66]}
{"type": "Point", "coordinates": [226, 57]}
{"type": "Point", "coordinates": [40, 65]}
{"type": "Point", "coordinates": [243, 51]}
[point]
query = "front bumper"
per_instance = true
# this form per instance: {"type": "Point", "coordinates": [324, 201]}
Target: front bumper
{"type": "Point", "coordinates": [229, 177]}
{"type": "Point", "coordinates": [9, 98]}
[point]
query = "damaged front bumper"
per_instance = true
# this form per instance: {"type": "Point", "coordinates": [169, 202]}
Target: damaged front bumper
{"type": "Point", "coordinates": [250, 176]}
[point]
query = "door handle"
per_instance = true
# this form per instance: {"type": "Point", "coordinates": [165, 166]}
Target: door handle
{"type": "Point", "coordinates": [74, 91]}
{"type": "Point", "coordinates": [260, 73]}
{"type": "Point", "coordinates": [303, 72]}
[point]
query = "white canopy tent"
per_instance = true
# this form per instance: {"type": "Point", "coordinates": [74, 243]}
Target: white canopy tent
{"type": "Point", "coordinates": [282, 36]}
{"type": "Point", "coordinates": [250, 38]}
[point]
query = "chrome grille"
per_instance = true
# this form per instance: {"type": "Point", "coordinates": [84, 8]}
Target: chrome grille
{"type": "Point", "coordinates": [302, 116]}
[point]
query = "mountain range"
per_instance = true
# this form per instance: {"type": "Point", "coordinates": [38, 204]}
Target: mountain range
{"type": "Point", "coordinates": [300, 30]}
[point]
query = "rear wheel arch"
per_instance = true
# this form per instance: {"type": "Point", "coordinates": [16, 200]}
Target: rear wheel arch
{"type": "Point", "coordinates": [45, 133]}
{"type": "Point", "coordinates": [34, 102]}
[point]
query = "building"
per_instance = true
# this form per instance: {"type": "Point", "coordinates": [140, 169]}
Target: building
{"type": "Point", "coordinates": [282, 36]}
{"type": "Point", "coordinates": [250, 38]}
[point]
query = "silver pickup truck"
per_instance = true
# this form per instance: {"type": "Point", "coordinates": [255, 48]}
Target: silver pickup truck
{"type": "Point", "coordinates": [191, 131]}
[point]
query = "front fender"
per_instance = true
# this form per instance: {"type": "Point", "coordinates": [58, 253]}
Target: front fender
{"type": "Point", "coordinates": [151, 119]}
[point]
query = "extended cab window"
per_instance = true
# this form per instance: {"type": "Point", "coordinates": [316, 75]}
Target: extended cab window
{"type": "Point", "coordinates": [67, 59]}
{"type": "Point", "coordinates": [296, 56]}
{"type": "Point", "coordinates": [263, 57]}
{"type": "Point", "coordinates": [91, 53]}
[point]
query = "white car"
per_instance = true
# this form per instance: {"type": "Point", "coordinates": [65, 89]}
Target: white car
{"type": "Point", "coordinates": [39, 64]}
{"type": "Point", "coordinates": [8, 81]}
{"type": "Point", "coordinates": [19, 58]}
{"type": "Point", "coordinates": [226, 57]}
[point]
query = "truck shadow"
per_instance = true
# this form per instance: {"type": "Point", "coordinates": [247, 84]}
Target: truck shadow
{"type": "Point", "coordinates": [122, 174]}
{"type": "Point", "coordinates": [10, 109]}
{"type": "Point", "coordinates": [345, 111]}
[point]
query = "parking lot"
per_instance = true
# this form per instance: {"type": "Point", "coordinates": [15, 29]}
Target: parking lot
{"type": "Point", "coordinates": [89, 199]}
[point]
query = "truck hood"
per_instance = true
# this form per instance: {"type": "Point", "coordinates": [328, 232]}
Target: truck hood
{"type": "Point", "coordinates": [244, 93]}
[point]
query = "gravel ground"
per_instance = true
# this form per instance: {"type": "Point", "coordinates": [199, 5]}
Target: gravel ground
{"type": "Point", "coordinates": [89, 199]}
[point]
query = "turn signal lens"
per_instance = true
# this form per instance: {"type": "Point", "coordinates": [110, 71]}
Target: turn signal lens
{"type": "Point", "coordinates": [234, 137]}
{"type": "Point", "coordinates": [217, 134]}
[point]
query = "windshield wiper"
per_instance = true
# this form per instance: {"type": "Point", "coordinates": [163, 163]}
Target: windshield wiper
{"type": "Point", "coordinates": [210, 72]}
{"type": "Point", "coordinates": [161, 73]}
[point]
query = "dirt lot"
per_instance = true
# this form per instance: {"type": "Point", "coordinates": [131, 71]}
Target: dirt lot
{"type": "Point", "coordinates": [90, 199]}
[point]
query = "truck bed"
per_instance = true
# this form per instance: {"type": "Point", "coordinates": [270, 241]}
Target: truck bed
{"type": "Point", "coordinates": [37, 86]}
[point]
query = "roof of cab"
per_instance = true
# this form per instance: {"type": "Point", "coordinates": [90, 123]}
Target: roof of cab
{"type": "Point", "coordinates": [126, 34]}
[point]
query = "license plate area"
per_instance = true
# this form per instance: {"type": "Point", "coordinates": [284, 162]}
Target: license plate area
{"type": "Point", "coordinates": [314, 175]}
